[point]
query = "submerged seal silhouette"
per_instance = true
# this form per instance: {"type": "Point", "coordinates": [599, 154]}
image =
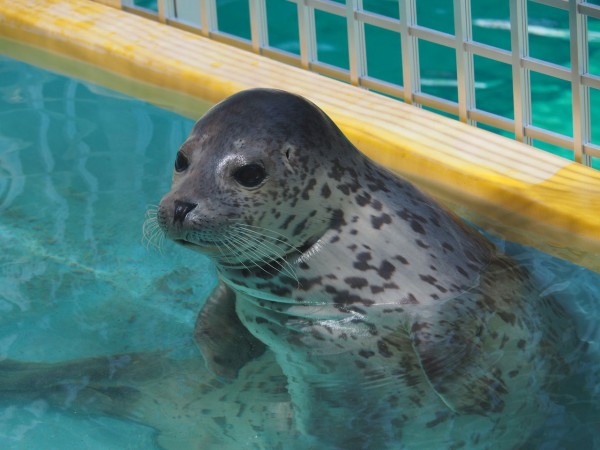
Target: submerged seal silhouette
{"type": "Point", "coordinates": [396, 325]}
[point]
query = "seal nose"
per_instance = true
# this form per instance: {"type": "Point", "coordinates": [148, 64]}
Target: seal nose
{"type": "Point", "coordinates": [182, 209]}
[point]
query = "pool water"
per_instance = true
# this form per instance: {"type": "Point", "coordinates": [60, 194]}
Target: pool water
{"type": "Point", "coordinates": [79, 167]}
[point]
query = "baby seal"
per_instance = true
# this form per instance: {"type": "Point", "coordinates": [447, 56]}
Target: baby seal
{"type": "Point", "coordinates": [396, 325]}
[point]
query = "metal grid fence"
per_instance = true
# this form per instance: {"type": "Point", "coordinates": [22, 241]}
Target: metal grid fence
{"type": "Point", "coordinates": [200, 16]}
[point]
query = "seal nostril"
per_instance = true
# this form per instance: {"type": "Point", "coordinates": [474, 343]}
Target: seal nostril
{"type": "Point", "coordinates": [182, 209]}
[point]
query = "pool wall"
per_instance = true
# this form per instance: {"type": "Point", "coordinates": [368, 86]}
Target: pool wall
{"type": "Point", "coordinates": [525, 194]}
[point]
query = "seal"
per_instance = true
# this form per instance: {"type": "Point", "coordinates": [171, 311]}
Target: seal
{"type": "Point", "coordinates": [396, 325]}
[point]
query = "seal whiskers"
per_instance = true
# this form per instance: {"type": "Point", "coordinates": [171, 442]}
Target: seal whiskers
{"type": "Point", "coordinates": [233, 256]}
{"type": "Point", "coordinates": [152, 234]}
{"type": "Point", "coordinates": [255, 254]}
{"type": "Point", "coordinates": [269, 251]}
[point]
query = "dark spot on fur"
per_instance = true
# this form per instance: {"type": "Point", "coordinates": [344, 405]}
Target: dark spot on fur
{"type": "Point", "coordinates": [416, 400]}
{"type": "Point", "coordinates": [316, 335]}
{"type": "Point", "coordinates": [410, 299]}
{"type": "Point", "coordinates": [383, 349]}
{"type": "Point", "coordinates": [344, 299]}
{"type": "Point", "coordinates": [507, 317]}
{"type": "Point", "coordinates": [363, 199]}
{"type": "Point", "coordinates": [336, 170]}
{"type": "Point", "coordinates": [311, 184]}
{"type": "Point", "coordinates": [386, 269]}
{"type": "Point", "coordinates": [361, 261]}
{"type": "Point", "coordinates": [402, 259]}
{"type": "Point", "coordinates": [393, 400]}
{"type": "Point", "coordinates": [325, 191]}
{"type": "Point", "coordinates": [307, 283]}
{"type": "Point", "coordinates": [421, 244]}
{"type": "Point", "coordinates": [417, 227]}
{"type": "Point", "coordinates": [378, 222]}
{"type": "Point", "coordinates": [337, 219]}
{"type": "Point", "coordinates": [462, 271]}
{"type": "Point", "coordinates": [299, 228]}
{"type": "Point", "coordinates": [360, 364]}
{"type": "Point", "coordinates": [356, 282]}
{"type": "Point", "coordinates": [428, 279]}
{"type": "Point", "coordinates": [440, 417]}
{"type": "Point", "coordinates": [287, 222]}
{"type": "Point", "coordinates": [221, 421]}
{"type": "Point", "coordinates": [366, 353]}
{"type": "Point", "coordinates": [280, 291]}
{"type": "Point", "coordinates": [377, 185]}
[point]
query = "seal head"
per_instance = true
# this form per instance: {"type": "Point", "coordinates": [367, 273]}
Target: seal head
{"type": "Point", "coordinates": [255, 176]}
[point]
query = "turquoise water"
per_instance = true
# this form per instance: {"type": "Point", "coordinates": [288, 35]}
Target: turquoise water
{"type": "Point", "coordinates": [548, 41]}
{"type": "Point", "coordinates": [79, 166]}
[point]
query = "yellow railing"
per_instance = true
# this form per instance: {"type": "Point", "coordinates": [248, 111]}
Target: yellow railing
{"type": "Point", "coordinates": [201, 16]}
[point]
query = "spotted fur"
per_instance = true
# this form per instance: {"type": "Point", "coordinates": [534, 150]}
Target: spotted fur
{"type": "Point", "coordinates": [396, 325]}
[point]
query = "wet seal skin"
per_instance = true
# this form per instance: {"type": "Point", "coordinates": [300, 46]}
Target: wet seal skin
{"type": "Point", "coordinates": [396, 325]}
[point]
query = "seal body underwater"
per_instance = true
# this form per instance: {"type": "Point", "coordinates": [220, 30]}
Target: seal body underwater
{"type": "Point", "coordinates": [396, 325]}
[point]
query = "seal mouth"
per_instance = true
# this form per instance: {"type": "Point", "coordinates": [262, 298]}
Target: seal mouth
{"type": "Point", "coordinates": [270, 266]}
{"type": "Point", "coordinates": [273, 265]}
{"type": "Point", "coordinates": [301, 250]}
{"type": "Point", "coordinates": [308, 244]}
{"type": "Point", "coordinates": [206, 248]}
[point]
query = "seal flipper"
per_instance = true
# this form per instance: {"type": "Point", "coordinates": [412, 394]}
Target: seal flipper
{"type": "Point", "coordinates": [97, 385]}
{"type": "Point", "coordinates": [491, 344]}
{"type": "Point", "coordinates": [452, 365]}
{"type": "Point", "coordinates": [223, 340]}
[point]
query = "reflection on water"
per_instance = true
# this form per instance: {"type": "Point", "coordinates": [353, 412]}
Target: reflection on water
{"type": "Point", "coordinates": [78, 170]}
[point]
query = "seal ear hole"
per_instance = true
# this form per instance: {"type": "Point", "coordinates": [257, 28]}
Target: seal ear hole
{"type": "Point", "coordinates": [181, 162]}
{"type": "Point", "coordinates": [250, 175]}
{"type": "Point", "coordinates": [288, 150]}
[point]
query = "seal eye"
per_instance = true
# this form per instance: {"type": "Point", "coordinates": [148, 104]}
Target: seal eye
{"type": "Point", "coordinates": [181, 162]}
{"type": "Point", "coordinates": [250, 175]}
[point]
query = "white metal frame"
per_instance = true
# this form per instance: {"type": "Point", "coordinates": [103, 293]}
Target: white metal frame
{"type": "Point", "coordinates": [410, 33]}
